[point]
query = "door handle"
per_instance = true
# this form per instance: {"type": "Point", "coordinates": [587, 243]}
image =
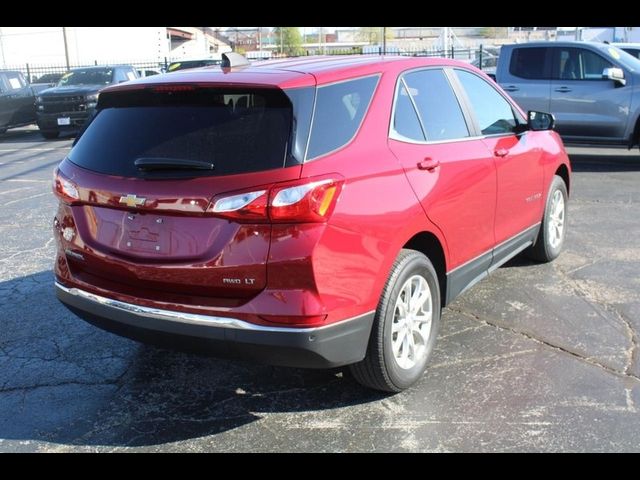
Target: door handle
{"type": "Point", "coordinates": [510, 88]}
{"type": "Point", "coordinates": [563, 89]}
{"type": "Point", "coordinates": [428, 164]}
{"type": "Point", "coordinates": [501, 152]}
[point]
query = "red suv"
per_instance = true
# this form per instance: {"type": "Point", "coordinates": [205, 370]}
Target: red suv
{"type": "Point", "coordinates": [309, 212]}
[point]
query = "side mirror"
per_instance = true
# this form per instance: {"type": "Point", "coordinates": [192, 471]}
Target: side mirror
{"type": "Point", "coordinates": [615, 74]}
{"type": "Point", "coordinates": [540, 121]}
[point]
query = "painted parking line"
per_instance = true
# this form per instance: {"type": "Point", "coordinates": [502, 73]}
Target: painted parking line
{"type": "Point", "coordinates": [26, 198]}
{"type": "Point", "coordinates": [33, 149]}
{"type": "Point", "coordinates": [14, 190]}
{"type": "Point", "coordinates": [26, 180]}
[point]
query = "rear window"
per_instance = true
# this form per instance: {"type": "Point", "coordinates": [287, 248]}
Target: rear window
{"type": "Point", "coordinates": [236, 130]}
{"type": "Point", "coordinates": [340, 108]}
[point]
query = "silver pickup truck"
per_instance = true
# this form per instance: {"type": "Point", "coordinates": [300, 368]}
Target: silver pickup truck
{"type": "Point", "coordinates": [592, 89]}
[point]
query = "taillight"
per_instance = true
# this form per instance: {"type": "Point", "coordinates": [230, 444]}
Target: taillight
{"type": "Point", "coordinates": [308, 201]}
{"type": "Point", "coordinates": [311, 202]}
{"type": "Point", "coordinates": [65, 189]}
{"type": "Point", "coordinates": [250, 206]}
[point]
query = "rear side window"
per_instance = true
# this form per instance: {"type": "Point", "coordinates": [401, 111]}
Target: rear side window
{"type": "Point", "coordinates": [15, 81]}
{"type": "Point", "coordinates": [237, 130]}
{"type": "Point", "coordinates": [529, 63]}
{"type": "Point", "coordinates": [340, 108]}
{"type": "Point", "coordinates": [493, 112]}
{"type": "Point", "coordinates": [437, 105]}
{"type": "Point", "coordinates": [405, 118]}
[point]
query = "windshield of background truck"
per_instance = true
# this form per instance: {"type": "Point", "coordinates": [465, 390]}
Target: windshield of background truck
{"type": "Point", "coordinates": [625, 59]}
{"type": "Point", "coordinates": [86, 77]}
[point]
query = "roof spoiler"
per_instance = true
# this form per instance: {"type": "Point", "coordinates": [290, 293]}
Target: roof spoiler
{"type": "Point", "coordinates": [231, 60]}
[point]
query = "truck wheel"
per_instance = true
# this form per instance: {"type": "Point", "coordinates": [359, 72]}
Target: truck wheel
{"type": "Point", "coordinates": [405, 326]}
{"type": "Point", "coordinates": [50, 134]}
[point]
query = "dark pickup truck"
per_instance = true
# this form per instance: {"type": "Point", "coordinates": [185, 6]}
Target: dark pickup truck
{"type": "Point", "coordinates": [16, 101]}
{"type": "Point", "coordinates": [68, 105]}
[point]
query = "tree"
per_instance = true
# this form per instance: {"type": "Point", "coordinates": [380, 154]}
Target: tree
{"type": "Point", "coordinates": [289, 41]}
{"type": "Point", "coordinates": [373, 35]}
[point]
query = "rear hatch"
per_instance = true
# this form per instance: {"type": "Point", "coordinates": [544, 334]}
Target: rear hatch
{"type": "Point", "coordinates": [147, 169]}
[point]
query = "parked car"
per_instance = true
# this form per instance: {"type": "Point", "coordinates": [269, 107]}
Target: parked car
{"type": "Point", "coordinates": [311, 212]}
{"type": "Point", "coordinates": [68, 105]}
{"type": "Point", "coordinates": [631, 48]}
{"type": "Point", "coordinates": [148, 72]}
{"type": "Point", "coordinates": [184, 64]}
{"type": "Point", "coordinates": [592, 89]}
{"type": "Point", "coordinates": [16, 101]}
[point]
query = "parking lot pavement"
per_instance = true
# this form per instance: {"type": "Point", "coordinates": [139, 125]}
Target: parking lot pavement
{"type": "Point", "coordinates": [534, 358]}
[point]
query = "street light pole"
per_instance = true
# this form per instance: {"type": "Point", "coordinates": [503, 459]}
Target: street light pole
{"type": "Point", "coordinates": [66, 46]}
{"type": "Point", "coordinates": [384, 40]}
{"type": "Point", "coordinates": [2, 50]}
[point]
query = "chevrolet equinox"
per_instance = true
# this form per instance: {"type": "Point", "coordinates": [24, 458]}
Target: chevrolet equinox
{"type": "Point", "coordinates": [311, 212]}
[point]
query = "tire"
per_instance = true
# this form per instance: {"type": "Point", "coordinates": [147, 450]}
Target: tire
{"type": "Point", "coordinates": [50, 134]}
{"type": "Point", "coordinates": [381, 369]}
{"type": "Point", "coordinates": [554, 224]}
{"type": "Point", "coordinates": [2, 130]}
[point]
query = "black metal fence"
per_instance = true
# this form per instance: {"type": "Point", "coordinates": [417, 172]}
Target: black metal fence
{"type": "Point", "coordinates": [33, 72]}
{"type": "Point", "coordinates": [477, 55]}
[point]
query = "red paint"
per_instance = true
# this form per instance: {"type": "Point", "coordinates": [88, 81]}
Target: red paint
{"type": "Point", "coordinates": [289, 265]}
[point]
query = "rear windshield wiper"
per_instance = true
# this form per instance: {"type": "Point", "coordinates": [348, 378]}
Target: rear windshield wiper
{"type": "Point", "coordinates": [148, 163]}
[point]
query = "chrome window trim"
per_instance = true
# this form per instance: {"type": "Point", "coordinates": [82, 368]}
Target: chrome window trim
{"type": "Point", "coordinates": [190, 318]}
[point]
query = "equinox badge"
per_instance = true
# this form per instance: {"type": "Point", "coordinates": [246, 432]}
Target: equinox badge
{"type": "Point", "coordinates": [132, 200]}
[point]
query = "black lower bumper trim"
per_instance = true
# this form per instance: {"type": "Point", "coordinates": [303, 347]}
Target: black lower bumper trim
{"type": "Point", "coordinates": [335, 345]}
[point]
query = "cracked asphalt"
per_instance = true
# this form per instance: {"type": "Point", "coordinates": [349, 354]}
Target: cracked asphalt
{"type": "Point", "coordinates": [534, 358]}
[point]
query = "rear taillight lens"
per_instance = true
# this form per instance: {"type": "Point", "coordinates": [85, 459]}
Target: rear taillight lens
{"type": "Point", "coordinates": [65, 189]}
{"type": "Point", "coordinates": [250, 206]}
{"type": "Point", "coordinates": [308, 201]}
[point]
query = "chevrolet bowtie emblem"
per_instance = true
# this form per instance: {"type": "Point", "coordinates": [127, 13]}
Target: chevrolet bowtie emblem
{"type": "Point", "coordinates": [132, 201]}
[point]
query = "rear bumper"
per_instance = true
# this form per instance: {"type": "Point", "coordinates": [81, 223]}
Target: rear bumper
{"type": "Point", "coordinates": [329, 346]}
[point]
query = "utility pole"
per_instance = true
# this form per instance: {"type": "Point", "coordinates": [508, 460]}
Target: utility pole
{"type": "Point", "coordinates": [384, 40]}
{"type": "Point", "coordinates": [66, 46]}
{"type": "Point", "coordinates": [205, 41]}
{"type": "Point", "coordinates": [445, 40]}
{"type": "Point", "coordinates": [259, 39]}
{"type": "Point", "coordinates": [2, 50]}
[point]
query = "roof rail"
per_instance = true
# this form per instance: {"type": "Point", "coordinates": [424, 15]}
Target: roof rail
{"type": "Point", "coordinates": [231, 60]}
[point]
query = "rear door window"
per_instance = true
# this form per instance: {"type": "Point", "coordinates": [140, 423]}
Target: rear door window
{"type": "Point", "coordinates": [237, 130]}
{"type": "Point", "coordinates": [340, 108]}
{"type": "Point", "coordinates": [405, 118]}
{"type": "Point", "coordinates": [437, 105]}
{"type": "Point", "coordinates": [529, 63]}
